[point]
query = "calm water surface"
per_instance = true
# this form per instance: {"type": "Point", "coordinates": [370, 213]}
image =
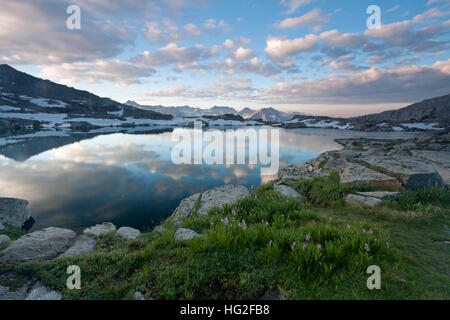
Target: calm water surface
{"type": "Point", "coordinates": [130, 179]}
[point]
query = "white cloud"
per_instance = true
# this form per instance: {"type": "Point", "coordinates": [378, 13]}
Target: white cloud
{"type": "Point", "coordinates": [293, 5]}
{"type": "Point", "coordinates": [243, 54]}
{"type": "Point", "coordinates": [167, 31]}
{"type": "Point", "coordinates": [115, 71]}
{"type": "Point", "coordinates": [314, 18]}
{"type": "Point", "coordinates": [402, 84]}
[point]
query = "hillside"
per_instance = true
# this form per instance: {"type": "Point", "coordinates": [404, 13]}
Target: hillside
{"type": "Point", "coordinates": [30, 101]}
{"type": "Point", "coordinates": [432, 114]}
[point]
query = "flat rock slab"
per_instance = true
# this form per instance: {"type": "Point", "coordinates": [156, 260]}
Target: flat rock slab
{"type": "Point", "coordinates": [42, 292]}
{"type": "Point", "coordinates": [82, 246]}
{"type": "Point", "coordinates": [185, 234]}
{"type": "Point", "coordinates": [439, 160]}
{"type": "Point", "coordinates": [360, 200]}
{"type": "Point", "coordinates": [185, 208]}
{"type": "Point", "coordinates": [355, 173]}
{"type": "Point", "coordinates": [287, 191]}
{"type": "Point", "coordinates": [100, 229]}
{"type": "Point", "coordinates": [129, 233]}
{"type": "Point", "coordinates": [381, 194]}
{"type": "Point", "coordinates": [14, 212]}
{"type": "Point", "coordinates": [414, 174]}
{"type": "Point", "coordinates": [44, 244]}
{"type": "Point", "coordinates": [218, 197]}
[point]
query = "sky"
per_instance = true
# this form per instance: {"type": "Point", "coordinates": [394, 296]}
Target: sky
{"type": "Point", "coordinates": [313, 56]}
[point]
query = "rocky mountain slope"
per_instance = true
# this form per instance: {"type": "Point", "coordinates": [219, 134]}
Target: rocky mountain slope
{"type": "Point", "coordinates": [30, 102]}
{"type": "Point", "coordinates": [269, 115]}
{"type": "Point", "coordinates": [428, 115]}
{"type": "Point", "coordinates": [427, 111]}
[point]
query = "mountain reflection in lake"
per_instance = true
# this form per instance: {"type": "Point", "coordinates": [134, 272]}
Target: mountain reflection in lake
{"type": "Point", "coordinates": [130, 179]}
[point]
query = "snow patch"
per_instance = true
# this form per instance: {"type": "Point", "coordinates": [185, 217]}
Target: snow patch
{"type": "Point", "coordinates": [9, 108]}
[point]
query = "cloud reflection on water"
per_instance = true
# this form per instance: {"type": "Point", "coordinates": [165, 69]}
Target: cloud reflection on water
{"type": "Point", "coordinates": [130, 179]}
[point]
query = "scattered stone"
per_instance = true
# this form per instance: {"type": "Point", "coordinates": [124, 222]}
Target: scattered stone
{"type": "Point", "coordinates": [83, 245]}
{"type": "Point", "coordinates": [178, 224]}
{"type": "Point", "coordinates": [6, 293]}
{"type": "Point", "coordinates": [100, 229]}
{"type": "Point", "coordinates": [220, 196]}
{"type": "Point", "coordinates": [423, 137]}
{"type": "Point", "coordinates": [289, 192]}
{"type": "Point", "coordinates": [185, 208]}
{"type": "Point", "coordinates": [139, 296]}
{"type": "Point", "coordinates": [360, 200]}
{"type": "Point", "coordinates": [381, 194]}
{"type": "Point", "coordinates": [274, 295]}
{"type": "Point", "coordinates": [185, 234]}
{"type": "Point", "coordinates": [4, 239]}
{"type": "Point", "coordinates": [129, 233]}
{"type": "Point", "coordinates": [45, 244]}
{"type": "Point", "coordinates": [42, 292]}
{"type": "Point", "coordinates": [1, 227]}
{"type": "Point", "coordinates": [159, 229]}
{"type": "Point", "coordinates": [14, 212]}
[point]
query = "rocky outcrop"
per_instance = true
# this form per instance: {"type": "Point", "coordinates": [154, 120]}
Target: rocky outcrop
{"type": "Point", "coordinates": [391, 165]}
{"type": "Point", "coordinates": [411, 173]}
{"type": "Point", "coordinates": [185, 234]}
{"type": "Point", "coordinates": [42, 292]}
{"type": "Point", "coordinates": [220, 196]}
{"type": "Point", "coordinates": [287, 191]}
{"type": "Point", "coordinates": [44, 244]}
{"type": "Point", "coordinates": [128, 233]}
{"type": "Point", "coordinates": [186, 207]}
{"type": "Point", "coordinates": [14, 212]}
{"type": "Point", "coordinates": [381, 194]}
{"type": "Point", "coordinates": [361, 200]}
{"type": "Point", "coordinates": [100, 229]}
{"type": "Point", "coordinates": [213, 198]}
{"type": "Point", "coordinates": [82, 246]}
{"type": "Point", "coordinates": [354, 173]}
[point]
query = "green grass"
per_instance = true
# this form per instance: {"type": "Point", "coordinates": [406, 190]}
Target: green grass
{"type": "Point", "coordinates": [248, 248]}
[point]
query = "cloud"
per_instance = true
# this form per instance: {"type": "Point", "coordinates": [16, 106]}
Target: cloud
{"type": "Point", "coordinates": [121, 73]}
{"type": "Point", "coordinates": [167, 31]}
{"type": "Point", "coordinates": [344, 64]}
{"type": "Point", "coordinates": [394, 8]}
{"type": "Point", "coordinates": [409, 35]}
{"type": "Point", "coordinates": [243, 54]}
{"type": "Point", "coordinates": [223, 88]}
{"type": "Point", "coordinates": [314, 18]}
{"type": "Point", "coordinates": [278, 48]}
{"type": "Point", "coordinates": [293, 5]}
{"type": "Point", "coordinates": [431, 2]}
{"type": "Point", "coordinates": [35, 32]}
{"type": "Point", "coordinates": [183, 57]}
{"type": "Point", "coordinates": [402, 84]}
